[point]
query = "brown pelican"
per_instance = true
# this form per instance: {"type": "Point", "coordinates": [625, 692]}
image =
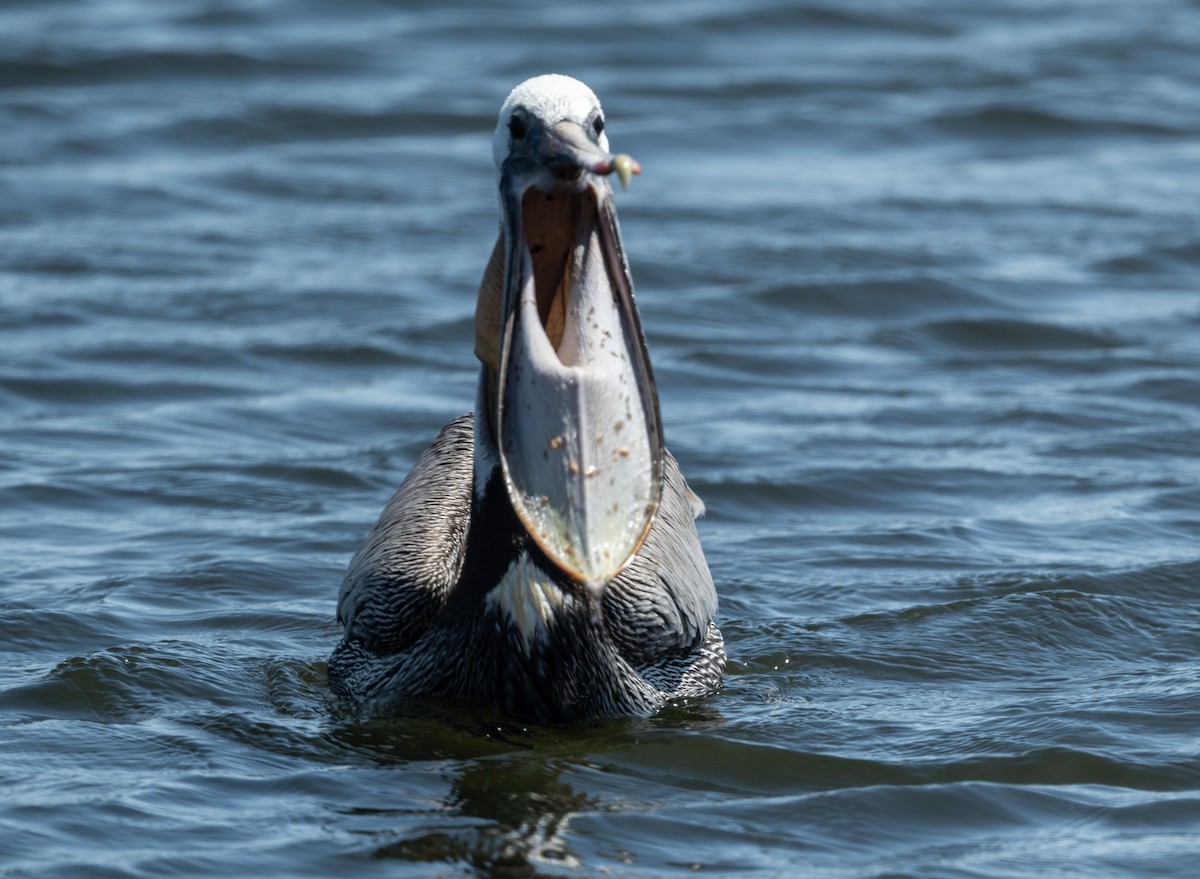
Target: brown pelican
{"type": "Point", "coordinates": [541, 557]}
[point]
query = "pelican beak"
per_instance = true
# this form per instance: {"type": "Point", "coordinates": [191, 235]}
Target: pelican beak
{"type": "Point", "coordinates": [572, 399]}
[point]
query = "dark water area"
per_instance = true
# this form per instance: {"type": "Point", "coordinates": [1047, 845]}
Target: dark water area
{"type": "Point", "coordinates": [920, 286]}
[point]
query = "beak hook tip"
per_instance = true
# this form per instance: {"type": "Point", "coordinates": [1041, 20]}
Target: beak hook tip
{"type": "Point", "coordinates": [622, 164]}
{"type": "Point", "coordinates": [625, 167]}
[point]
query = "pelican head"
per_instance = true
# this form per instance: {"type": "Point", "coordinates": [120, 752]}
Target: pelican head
{"type": "Point", "coordinates": [569, 395]}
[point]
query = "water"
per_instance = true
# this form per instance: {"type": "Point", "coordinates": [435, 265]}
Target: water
{"type": "Point", "coordinates": [919, 281]}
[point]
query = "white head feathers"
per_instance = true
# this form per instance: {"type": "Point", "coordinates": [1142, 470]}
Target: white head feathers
{"type": "Point", "coordinates": [551, 98]}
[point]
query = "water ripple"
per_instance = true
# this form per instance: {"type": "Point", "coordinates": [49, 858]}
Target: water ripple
{"type": "Point", "coordinates": [918, 283]}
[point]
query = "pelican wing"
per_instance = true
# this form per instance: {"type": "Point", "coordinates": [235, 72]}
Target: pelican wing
{"type": "Point", "coordinates": [401, 575]}
{"type": "Point", "coordinates": [664, 600]}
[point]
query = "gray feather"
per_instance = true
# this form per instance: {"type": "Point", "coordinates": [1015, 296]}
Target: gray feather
{"type": "Point", "coordinates": [400, 577]}
{"type": "Point", "coordinates": [652, 639]}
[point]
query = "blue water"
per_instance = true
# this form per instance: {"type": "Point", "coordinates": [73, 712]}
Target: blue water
{"type": "Point", "coordinates": [920, 286]}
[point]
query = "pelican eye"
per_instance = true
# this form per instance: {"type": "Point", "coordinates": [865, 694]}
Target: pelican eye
{"type": "Point", "coordinates": [516, 127]}
{"type": "Point", "coordinates": [598, 125]}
